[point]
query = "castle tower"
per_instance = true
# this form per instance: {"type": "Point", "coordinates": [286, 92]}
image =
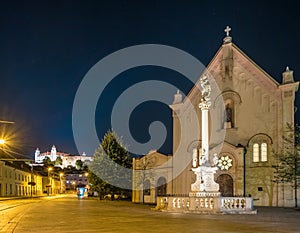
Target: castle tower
{"type": "Point", "coordinates": [36, 155]}
{"type": "Point", "coordinates": [53, 153]}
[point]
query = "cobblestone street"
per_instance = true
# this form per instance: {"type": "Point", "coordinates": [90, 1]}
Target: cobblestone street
{"type": "Point", "coordinates": [68, 214]}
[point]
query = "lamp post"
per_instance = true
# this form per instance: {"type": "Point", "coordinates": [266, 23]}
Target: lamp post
{"type": "Point", "coordinates": [60, 180]}
{"type": "Point", "coordinates": [49, 180]}
{"type": "Point", "coordinates": [73, 185]}
{"type": "Point", "coordinates": [31, 179]}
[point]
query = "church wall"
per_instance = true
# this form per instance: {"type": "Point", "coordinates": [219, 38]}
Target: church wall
{"type": "Point", "coordinates": [150, 169]}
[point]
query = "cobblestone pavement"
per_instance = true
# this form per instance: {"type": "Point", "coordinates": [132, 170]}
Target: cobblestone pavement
{"type": "Point", "coordinates": [67, 214]}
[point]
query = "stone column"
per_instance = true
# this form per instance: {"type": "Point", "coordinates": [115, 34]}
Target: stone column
{"type": "Point", "coordinates": [205, 139]}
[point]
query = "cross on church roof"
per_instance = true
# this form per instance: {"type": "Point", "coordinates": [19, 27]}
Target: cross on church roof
{"type": "Point", "coordinates": [227, 30]}
{"type": "Point", "coordinates": [227, 39]}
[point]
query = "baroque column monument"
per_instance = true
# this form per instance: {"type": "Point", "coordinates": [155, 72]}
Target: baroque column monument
{"type": "Point", "coordinates": [204, 166]}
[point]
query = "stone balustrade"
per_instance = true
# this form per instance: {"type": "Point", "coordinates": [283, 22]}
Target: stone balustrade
{"type": "Point", "coordinates": [236, 204]}
{"type": "Point", "coordinates": [211, 205]}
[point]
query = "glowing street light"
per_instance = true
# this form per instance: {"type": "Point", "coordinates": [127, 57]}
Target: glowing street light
{"type": "Point", "coordinates": [2, 141]}
{"type": "Point", "coordinates": [6, 122]}
{"type": "Point", "coordinates": [73, 184]}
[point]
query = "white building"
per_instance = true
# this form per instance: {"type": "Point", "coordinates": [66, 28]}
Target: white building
{"type": "Point", "coordinates": [67, 159]}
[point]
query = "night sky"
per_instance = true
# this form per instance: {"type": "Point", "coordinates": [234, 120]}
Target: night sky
{"type": "Point", "coordinates": [47, 47]}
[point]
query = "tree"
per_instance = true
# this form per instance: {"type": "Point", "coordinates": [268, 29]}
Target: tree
{"type": "Point", "coordinates": [47, 162]}
{"type": "Point", "coordinates": [143, 175]}
{"type": "Point", "coordinates": [79, 164]}
{"type": "Point", "coordinates": [108, 158]}
{"type": "Point", "coordinates": [98, 185]}
{"type": "Point", "coordinates": [288, 168]}
{"type": "Point", "coordinates": [58, 161]}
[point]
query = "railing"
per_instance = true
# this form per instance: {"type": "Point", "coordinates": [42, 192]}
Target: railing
{"type": "Point", "coordinates": [180, 203]}
{"type": "Point", "coordinates": [236, 204]}
{"type": "Point", "coordinates": [229, 205]}
{"type": "Point", "coordinates": [162, 203]}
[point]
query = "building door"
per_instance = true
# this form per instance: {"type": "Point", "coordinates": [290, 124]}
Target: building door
{"type": "Point", "coordinates": [226, 185]}
{"type": "Point", "coordinates": [161, 189]}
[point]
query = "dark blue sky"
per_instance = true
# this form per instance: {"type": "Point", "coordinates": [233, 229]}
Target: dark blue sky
{"type": "Point", "coordinates": [47, 47]}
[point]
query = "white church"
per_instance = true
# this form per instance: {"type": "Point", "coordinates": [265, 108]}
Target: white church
{"type": "Point", "coordinates": [253, 121]}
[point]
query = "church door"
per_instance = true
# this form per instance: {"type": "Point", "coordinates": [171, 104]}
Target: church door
{"type": "Point", "coordinates": [226, 185]}
{"type": "Point", "coordinates": [161, 189]}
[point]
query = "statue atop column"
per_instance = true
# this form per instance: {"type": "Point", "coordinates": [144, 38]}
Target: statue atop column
{"type": "Point", "coordinates": [205, 168]}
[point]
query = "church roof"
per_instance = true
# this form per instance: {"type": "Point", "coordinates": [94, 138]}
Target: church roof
{"type": "Point", "coordinates": [240, 59]}
{"type": "Point", "coordinates": [239, 54]}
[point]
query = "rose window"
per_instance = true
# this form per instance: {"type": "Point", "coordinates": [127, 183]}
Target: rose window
{"type": "Point", "coordinates": [225, 163]}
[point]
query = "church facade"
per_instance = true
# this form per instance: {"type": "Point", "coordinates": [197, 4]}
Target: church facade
{"type": "Point", "coordinates": [253, 121]}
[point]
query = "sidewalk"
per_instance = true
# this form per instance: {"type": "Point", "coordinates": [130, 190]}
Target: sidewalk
{"type": "Point", "coordinates": [29, 197]}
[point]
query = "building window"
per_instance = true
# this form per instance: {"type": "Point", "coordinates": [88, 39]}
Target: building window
{"type": "Point", "coordinates": [260, 152]}
{"type": "Point", "coordinates": [225, 163]}
{"type": "Point", "coordinates": [264, 152]}
{"type": "Point", "coordinates": [255, 152]}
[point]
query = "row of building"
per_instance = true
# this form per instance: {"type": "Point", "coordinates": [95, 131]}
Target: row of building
{"type": "Point", "coordinates": [20, 178]}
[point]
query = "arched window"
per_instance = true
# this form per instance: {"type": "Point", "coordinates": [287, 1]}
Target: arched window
{"type": "Point", "coordinates": [264, 152]}
{"type": "Point", "coordinates": [255, 152]}
{"type": "Point", "coordinates": [260, 152]}
{"type": "Point", "coordinates": [259, 146]}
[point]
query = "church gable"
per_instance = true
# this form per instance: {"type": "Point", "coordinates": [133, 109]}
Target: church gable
{"type": "Point", "coordinates": [234, 70]}
{"type": "Point", "coordinates": [246, 89]}
{"type": "Point", "coordinates": [151, 160]}
{"type": "Point", "coordinates": [240, 82]}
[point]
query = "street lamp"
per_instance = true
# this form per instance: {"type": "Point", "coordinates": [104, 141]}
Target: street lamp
{"type": "Point", "coordinates": [74, 183]}
{"type": "Point", "coordinates": [60, 177]}
{"type": "Point", "coordinates": [49, 181]}
{"type": "Point", "coordinates": [2, 140]}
